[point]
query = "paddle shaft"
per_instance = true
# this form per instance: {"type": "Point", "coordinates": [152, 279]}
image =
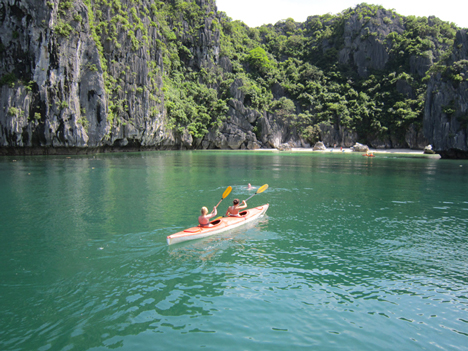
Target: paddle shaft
{"type": "Point", "coordinates": [261, 190]}
{"type": "Point", "coordinates": [228, 190]}
{"type": "Point", "coordinates": [250, 197]}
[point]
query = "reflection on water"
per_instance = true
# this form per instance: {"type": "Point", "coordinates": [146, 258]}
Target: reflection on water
{"type": "Point", "coordinates": [354, 253]}
{"type": "Point", "coordinates": [208, 248]}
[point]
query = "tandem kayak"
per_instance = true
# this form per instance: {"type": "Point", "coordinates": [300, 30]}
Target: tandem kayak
{"type": "Point", "coordinates": [218, 225]}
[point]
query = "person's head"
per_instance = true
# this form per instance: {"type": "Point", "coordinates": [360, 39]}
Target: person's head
{"type": "Point", "coordinates": [204, 211]}
{"type": "Point", "coordinates": [236, 202]}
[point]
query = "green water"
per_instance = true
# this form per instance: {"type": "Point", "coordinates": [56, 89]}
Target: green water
{"type": "Point", "coordinates": [354, 253]}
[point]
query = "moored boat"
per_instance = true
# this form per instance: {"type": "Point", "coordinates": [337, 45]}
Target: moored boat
{"type": "Point", "coordinates": [218, 225]}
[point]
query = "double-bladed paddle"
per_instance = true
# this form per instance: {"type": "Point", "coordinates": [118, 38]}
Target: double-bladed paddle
{"type": "Point", "coordinates": [228, 190]}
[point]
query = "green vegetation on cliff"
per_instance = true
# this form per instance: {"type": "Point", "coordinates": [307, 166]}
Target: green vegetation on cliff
{"type": "Point", "coordinates": [304, 59]}
{"type": "Point", "coordinates": [317, 88]}
{"type": "Point", "coordinates": [364, 70]}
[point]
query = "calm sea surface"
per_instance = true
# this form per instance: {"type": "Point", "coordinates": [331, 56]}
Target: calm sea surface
{"type": "Point", "coordinates": [355, 253]}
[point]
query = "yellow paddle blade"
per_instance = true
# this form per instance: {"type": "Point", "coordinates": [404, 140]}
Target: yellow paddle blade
{"type": "Point", "coordinates": [262, 189]}
{"type": "Point", "coordinates": [227, 192]}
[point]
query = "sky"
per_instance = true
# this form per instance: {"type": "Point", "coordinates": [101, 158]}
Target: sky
{"type": "Point", "coordinates": [254, 13]}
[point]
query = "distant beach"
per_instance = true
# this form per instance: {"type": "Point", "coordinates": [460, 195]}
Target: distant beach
{"type": "Point", "coordinates": [376, 152]}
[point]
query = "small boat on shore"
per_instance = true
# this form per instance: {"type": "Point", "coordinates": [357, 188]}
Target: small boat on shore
{"type": "Point", "coordinates": [218, 225]}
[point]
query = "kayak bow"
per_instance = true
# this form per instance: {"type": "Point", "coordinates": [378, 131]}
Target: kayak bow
{"type": "Point", "coordinates": [218, 225]}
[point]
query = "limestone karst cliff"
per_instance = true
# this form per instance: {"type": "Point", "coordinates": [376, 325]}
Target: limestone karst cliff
{"type": "Point", "coordinates": [91, 76]}
{"type": "Point", "coordinates": [446, 109]}
{"type": "Point", "coordinates": [69, 83]}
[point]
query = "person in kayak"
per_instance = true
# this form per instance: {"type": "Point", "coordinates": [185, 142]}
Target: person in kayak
{"type": "Point", "coordinates": [233, 211]}
{"type": "Point", "coordinates": [204, 219]}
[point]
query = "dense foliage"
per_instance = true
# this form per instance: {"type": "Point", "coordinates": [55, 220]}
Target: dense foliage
{"type": "Point", "coordinates": [302, 58]}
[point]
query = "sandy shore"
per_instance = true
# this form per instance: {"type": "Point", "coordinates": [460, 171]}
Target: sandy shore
{"type": "Point", "coordinates": [374, 151]}
{"type": "Point", "coordinates": [384, 151]}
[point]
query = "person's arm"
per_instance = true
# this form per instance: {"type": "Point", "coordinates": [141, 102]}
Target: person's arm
{"type": "Point", "coordinates": [244, 205]}
{"type": "Point", "coordinates": [213, 213]}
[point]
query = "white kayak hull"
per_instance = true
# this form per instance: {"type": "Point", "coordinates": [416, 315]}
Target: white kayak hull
{"type": "Point", "coordinates": [219, 226]}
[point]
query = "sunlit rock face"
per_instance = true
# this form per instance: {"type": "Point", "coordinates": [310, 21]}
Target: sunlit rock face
{"type": "Point", "coordinates": [75, 80]}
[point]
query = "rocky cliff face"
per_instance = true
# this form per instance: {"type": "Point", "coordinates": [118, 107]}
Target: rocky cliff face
{"type": "Point", "coordinates": [64, 88]}
{"type": "Point", "coordinates": [365, 46]}
{"type": "Point", "coordinates": [72, 84]}
{"type": "Point", "coordinates": [368, 46]}
{"type": "Point", "coordinates": [446, 109]}
{"type": "Point", "coordinates": [53, 94]}
{"type": "Point", "coordinates": [93, 75]}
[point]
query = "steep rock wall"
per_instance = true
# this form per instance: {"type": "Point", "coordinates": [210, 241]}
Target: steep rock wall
{"type": "Point", "coordinates": [94, 75]}
{"type": "Point", "coordinates": [364, 41]}
{"type": "Point", "coordinates": [71, 88]}
{"type": "Point", "coordinates": [67, 89]}
{"type": "Point", "coordinates": [53, 79]}
{"type": "Point", "coordinates": [446, 108]}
